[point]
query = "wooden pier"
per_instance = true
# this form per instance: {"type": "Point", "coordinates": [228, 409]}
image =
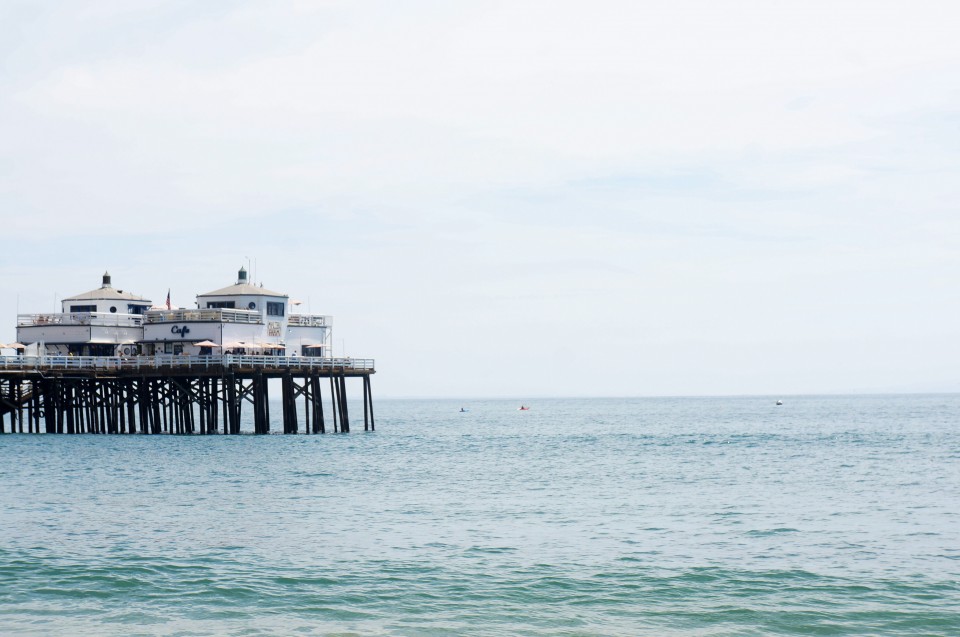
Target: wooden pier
{"type": "Point", "coordinates": [168, 394]}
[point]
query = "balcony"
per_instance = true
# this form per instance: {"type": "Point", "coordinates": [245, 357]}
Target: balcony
{"type": "Point", "coordinates": [209, 316]}
{"type": "Point", "coordinates": [100, 319]}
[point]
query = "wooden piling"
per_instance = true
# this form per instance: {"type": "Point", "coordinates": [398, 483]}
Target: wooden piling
{"type": "Point", "coordinates": [345, 422]}
{"type": "Point", "coordinates": [318, 424]}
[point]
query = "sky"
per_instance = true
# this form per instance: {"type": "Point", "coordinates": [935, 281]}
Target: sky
{"type": "Point", "coordinates": [509, 199]}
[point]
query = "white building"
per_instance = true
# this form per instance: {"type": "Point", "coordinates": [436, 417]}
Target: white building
{"type": "Point", "coordinates": [240, 318]}
{"type": "Point", "coordinates": [102, 322]}
{"type": "Point", "coordinates": [243, 318]}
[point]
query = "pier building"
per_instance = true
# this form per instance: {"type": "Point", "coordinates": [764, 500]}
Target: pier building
{"type": "Point", "coordinates": [102, 322]}
{"type": "Point", "coordinates": [241, 318]}
{"type": "Point", "coordinates": [111, 362]}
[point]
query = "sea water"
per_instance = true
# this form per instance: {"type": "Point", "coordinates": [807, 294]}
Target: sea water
{"type": "Point", "coordinates": [653, 516]}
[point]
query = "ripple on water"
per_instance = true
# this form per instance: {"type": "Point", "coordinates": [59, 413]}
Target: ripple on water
{"type": "Point", "coordinates": [607, 517]}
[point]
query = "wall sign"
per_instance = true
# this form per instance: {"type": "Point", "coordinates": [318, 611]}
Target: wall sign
{"type": "Point", "coordinates": [182, 331]}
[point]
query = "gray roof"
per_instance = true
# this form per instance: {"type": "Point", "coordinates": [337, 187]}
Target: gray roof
{"type": "Point", "coordinates": [242, 289]}
{"type": "Point", "coordinates": [107, 294]}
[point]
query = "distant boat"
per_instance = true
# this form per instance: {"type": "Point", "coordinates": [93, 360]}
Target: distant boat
{"type": "Point", "coordinates": [522, 408]}
{"type": "Point", "coordinates": [779, 402]}
{"type": "Point", "coordinates": [463, 411]}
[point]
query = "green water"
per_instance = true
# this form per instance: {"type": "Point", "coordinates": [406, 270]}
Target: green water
{"type": "Point", "coordinates": [720, 516]}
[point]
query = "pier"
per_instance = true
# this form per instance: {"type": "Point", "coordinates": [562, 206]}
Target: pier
{"type": "Point", "coordinates": [177, 393]}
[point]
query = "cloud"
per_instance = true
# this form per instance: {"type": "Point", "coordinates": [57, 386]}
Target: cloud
{"type": "Point", "coordinates": [509, 174]}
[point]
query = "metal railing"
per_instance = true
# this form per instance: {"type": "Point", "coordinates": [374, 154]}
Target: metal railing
{"type": "Point", "coordinates": [180, 361]}
{"type": "Point", "coordinates": [212, 315]}
{"type": "Point", "coordinates": [309, 320]}
{"type": "Point", "coordinates": [80, 318]}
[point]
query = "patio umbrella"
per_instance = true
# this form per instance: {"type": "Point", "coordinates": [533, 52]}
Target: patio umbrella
{"type": "Point", "coordinates": [207, 344]}
{"type": "Point", "coordinates": [263, 345]}
{"type": "Point", "coordinates": [16, 346]}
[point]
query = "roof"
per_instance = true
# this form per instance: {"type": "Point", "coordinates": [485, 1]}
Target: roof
{"type": "Point", "coordinates": [243, 289]}
{"type": "Point", "coordinates": [106, 294]}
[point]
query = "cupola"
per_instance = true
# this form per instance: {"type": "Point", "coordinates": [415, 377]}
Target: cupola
{"type": "Point", "coordinates": [106, 280]}
{"type": "Point", "coordinates": [242, 276]}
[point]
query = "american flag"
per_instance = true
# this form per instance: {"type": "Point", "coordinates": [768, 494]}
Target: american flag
{"type": "Point", "coordinates": [168, 298]}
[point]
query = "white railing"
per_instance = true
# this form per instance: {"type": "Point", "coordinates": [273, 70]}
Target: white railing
{"type": "Point", "coordinates": [309, 320]}
{"type": "Point", "coordinates": [80, 318]}
{"type": "Point", "coordinates": [44, 363]}
{"type": "Point", "coordinates": [211, 315]}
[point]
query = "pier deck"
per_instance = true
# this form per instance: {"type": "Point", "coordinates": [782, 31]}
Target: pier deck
{"type": "Point", "coordinates": [174, 394]}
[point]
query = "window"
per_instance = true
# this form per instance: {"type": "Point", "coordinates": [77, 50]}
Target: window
{"type": "Point", "coordinates": [221, 304]}
{"type": "Point", "coordinates": [83, 308]}
{"type": "Point", "coordinates": [274, 309]}
{"type": "Point", "coordinates": [136, 309]}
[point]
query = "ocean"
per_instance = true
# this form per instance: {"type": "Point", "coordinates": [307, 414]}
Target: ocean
{"type": "Point", "coordinates": [827, 515]}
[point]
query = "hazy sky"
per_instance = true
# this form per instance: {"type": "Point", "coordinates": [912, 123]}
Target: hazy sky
{"type": "Point", "coordinates": [509, 198]}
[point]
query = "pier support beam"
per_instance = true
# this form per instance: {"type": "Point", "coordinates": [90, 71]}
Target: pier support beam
{"type": "Point", "coordinates": [290, 424]}
{"type": "Point", "coordinates": [367, 403]}
{"type": "Point", "coordinates": [345, 419]}
{"type": "Point", "coordinates": [174, 402]}
{"type": "Point", "coordinates": [318, 424]}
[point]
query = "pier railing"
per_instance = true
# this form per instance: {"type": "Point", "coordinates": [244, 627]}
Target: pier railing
{"type": "Point", "coordinates": [211, 315]}
{"type": "Point", "coordinates": [80, 318]}
{"type": "Point", "coordinates": [165, 316]}
{"type": "Point", "coordinates": [105, 363]}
